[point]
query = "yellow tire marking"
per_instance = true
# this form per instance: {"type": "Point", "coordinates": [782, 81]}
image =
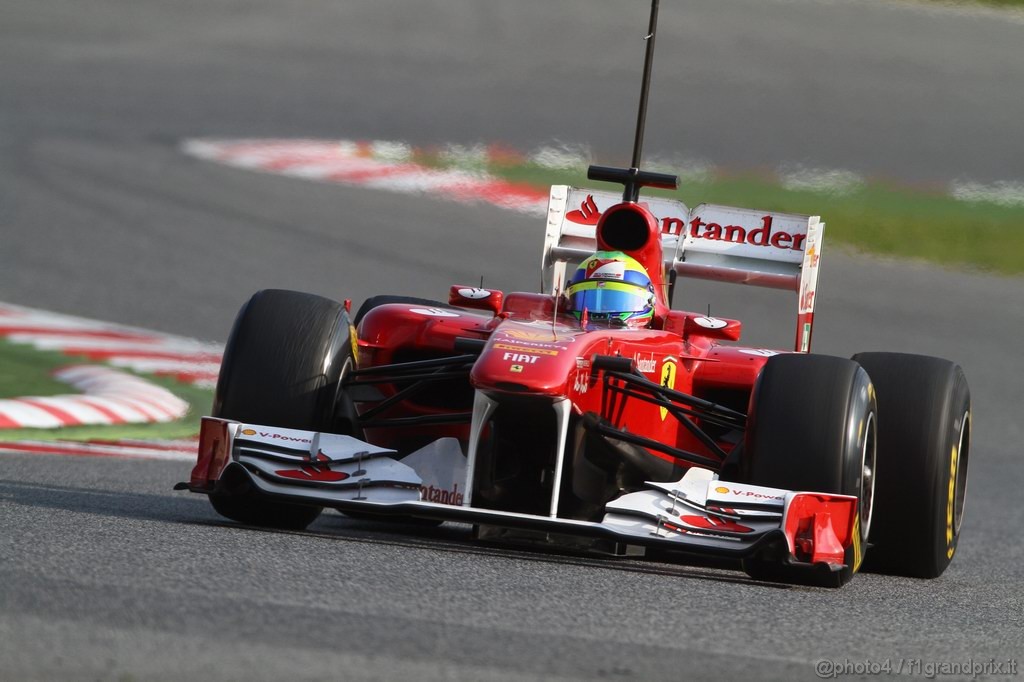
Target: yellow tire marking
{"type": "Point", "coordinates": [354, 340]}
{"type": "Point", "coordinates": [950, 499]}
{"type": "Point", "coordinates": [857, 554]}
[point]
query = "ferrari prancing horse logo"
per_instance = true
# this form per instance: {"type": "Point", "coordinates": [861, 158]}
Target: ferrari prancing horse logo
{"type": "Point", "coordinates": [668, 380]}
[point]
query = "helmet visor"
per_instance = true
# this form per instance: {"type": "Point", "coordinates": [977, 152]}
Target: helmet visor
{"type": "Point", "coordinates": [608, 297]}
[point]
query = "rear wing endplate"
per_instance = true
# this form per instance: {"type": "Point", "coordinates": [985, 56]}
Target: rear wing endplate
{"type": "Point", "coordinates": [743, 246]}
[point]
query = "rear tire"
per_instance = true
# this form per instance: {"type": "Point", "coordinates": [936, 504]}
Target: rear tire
{"type": "Point", "coordinates": [282, 366]}
{"type": "Point", "coordinates": [924, 445]}
{"type": "Point", "coordinates": [811, 427]}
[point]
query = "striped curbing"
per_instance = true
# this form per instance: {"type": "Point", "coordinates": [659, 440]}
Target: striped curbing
{"type": "Point", "coordinates": [108, 396]}
{"type": "Point", "coordinates": [377, 165]}
{"type": "Point", "coordinates": [391, 166]}
{"type": "Point", "coordinates": [148, 352]}
{"type": "Point", "coordinates": [166, 450]}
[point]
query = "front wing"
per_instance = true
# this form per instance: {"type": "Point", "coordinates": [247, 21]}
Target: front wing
{"type": "Point", "coordinates": [698, 514]}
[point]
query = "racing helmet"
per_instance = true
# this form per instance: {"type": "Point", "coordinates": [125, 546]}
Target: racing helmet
{"type": "Point", "coordinates": [612, 286]}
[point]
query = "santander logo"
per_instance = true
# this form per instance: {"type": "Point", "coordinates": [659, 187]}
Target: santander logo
{"type": "Point", "coordinates": [588, 213]}
{"type": "Point", "coordinates": [441, 496]}
{"type": "Point", "coordinates": [763, 235]}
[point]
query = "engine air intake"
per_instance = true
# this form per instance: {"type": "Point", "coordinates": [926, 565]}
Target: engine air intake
{"type": "Point", "coordinates": [624, 229]}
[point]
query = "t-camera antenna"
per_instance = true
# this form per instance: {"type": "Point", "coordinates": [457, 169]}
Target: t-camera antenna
{"type": "Point", "coordinates": [633, 178]}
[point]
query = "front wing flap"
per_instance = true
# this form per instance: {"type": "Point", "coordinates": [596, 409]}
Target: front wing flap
{"type": "Point", "coordinates": [698, 514]}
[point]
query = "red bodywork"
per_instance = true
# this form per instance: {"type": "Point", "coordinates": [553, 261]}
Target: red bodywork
{"type": "Point", "coordinates": [535, 349]}
{"type": "Point", "coordinates": [564, 424]}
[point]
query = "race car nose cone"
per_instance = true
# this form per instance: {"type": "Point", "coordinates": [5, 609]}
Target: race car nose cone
{"type": "Point", "coordinates": [525, 358]}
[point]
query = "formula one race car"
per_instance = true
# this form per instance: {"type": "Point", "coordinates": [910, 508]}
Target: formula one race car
{"type": "Point", "coordinates": [595, 415]}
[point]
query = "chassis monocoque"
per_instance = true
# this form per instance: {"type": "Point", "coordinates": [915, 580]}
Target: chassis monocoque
{"type": "Point", "coordinates": [505, 412]}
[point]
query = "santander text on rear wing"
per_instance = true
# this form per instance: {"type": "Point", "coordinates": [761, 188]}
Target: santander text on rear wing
{"type": "Point", "coordinates": [744, 246]}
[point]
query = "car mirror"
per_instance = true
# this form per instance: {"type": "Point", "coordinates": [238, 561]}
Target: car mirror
{"type": "Point", "coordinates": [694, 324]}
{"type": "Point", "coordinates": [475, 297]}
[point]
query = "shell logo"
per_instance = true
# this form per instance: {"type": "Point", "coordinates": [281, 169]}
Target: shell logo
{"type": "Point", "coordinates": [721, 489]}
{"type": "Point", "coordinates": [248, 432]}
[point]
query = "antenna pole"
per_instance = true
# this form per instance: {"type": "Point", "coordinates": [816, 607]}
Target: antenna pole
{"type": "Point", "coordinates": [641, 118]}
{"type": "Point", "coordinates": [632, 178]}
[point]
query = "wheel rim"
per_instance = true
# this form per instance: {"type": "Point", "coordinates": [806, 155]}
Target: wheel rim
{"type": "Point", "coordinates": [867, 478]}
{"type": "Point", "coordinates": [960, 490]}
{"type": "Point", "coordinates": [353, 426]}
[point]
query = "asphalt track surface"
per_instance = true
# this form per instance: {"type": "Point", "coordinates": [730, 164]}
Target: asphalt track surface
{"type": "Point", "coordinates": [108, 574]}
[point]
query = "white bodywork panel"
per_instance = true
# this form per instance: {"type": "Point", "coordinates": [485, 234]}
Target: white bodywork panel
{"type": "Point", "coordinates": [696, 513]}
{"type": "Point", "coordinates": [328, 468]}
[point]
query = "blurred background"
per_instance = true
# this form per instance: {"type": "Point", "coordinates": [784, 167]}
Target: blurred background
{"type": "Point", "coordinates": [900, 123]}
{"type": "Point", "coordinates": [102, 215]}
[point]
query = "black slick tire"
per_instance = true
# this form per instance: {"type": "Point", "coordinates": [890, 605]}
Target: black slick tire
{"type": "Point", "coordinates": [923, 449]}
{"type": "Point", "coordinates": [282, 367]}
{"type": "Point", "coordinates": [811, 427]}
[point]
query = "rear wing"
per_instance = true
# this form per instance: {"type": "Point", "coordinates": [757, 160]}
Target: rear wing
{"type": "Point", "coordinates": [743, 246]}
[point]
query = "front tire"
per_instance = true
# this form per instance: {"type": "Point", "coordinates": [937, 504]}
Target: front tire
{"type": "Point", "coordinates": [923, 445]}
{"type": "Point", "coordinates": [811, 427]}
{"type": "Point", "coordinates": [282, 366]}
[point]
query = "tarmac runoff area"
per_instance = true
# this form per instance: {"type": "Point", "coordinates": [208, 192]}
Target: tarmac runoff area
{"type": "Point", "coordinates": [107, 394]}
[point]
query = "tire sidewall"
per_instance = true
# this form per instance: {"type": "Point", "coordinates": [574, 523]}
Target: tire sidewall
{"type": "Point", "coordinates": [810, 426]}
{"type": "Point", "coordinates": [949, 462]}
{"type": "Point", "coordinates": [283, 366]}
{"type": "Point", "coordinates": [282, 340]}
{"type": "Point", "coordinates": [924, 448]}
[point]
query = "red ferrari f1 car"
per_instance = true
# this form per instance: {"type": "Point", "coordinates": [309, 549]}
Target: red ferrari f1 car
{"type": "Point", "coordinates": [593, 413]}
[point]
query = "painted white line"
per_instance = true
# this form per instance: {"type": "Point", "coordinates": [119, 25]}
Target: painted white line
{"type": "Point", "coordinates": [94, 345]}
{"type": "Point", "coordinates": [166, 367]}
{"type": "Point", "coordinates": [178, 451]}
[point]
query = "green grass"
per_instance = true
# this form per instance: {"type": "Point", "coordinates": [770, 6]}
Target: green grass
{"type": "Point", "coordinates": [994, 3]}
{"type": "Point", "coordinates": [873, 217]}
{"type": "Point", "coordinates": [26, 372]}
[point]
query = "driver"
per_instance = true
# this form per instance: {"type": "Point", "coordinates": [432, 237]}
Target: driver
{"type": "Point", "coordinates": [613, 288]}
